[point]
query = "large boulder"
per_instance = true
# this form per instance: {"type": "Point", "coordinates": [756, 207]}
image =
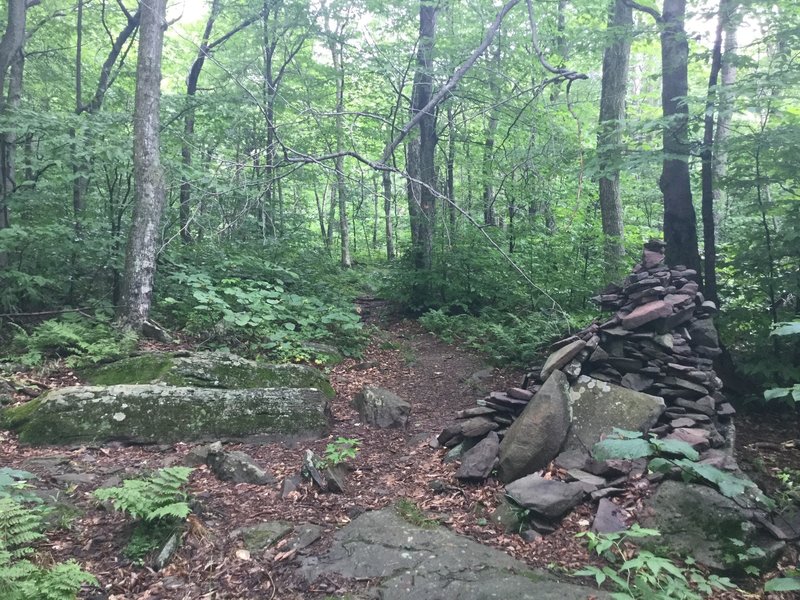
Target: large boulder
{"type": "Point", "coordinates": [598, 407]}
{"type": "Point", "coordinates": [207, 370]}
{"type": "Point", "coordinates": [698, 520]}
{"type": "Point", "coordinates": [408, 561]}
{"type": "Point", "coordinates": [165, 414]}
{"type": "Point", "coordinates": [536, 436]}
{"type": "Point", "coordinates": [381, 407]}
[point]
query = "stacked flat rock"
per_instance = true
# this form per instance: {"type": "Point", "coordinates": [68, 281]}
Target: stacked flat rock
{"type": "Point", "coordinates": [661, 340]}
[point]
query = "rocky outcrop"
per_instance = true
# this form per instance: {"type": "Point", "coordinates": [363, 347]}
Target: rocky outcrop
{"type": "Point", "coordinates": [433, 564]}
{"type": "Point", "coordinates": [381, 407]}
{"type": "Point", "coordinates": [717, 531]}
{"type": "Point", "coordinates": [144, 414]}
{"type": "Point", "coordinates": [207, 370]}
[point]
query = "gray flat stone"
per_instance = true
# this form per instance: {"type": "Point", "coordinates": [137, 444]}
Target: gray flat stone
{"type": "Point", "coordinates": [381, 407]}
{"type": "Point", "coordinates": [549, 498]}
{"type": "Point", "coordinates": [413, 563]}
{"type": "Point", "coordinates": [560, 358]}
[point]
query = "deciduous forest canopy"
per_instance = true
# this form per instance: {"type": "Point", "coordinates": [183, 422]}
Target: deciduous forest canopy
{"type": "Point", "coordinates": [488, 166]}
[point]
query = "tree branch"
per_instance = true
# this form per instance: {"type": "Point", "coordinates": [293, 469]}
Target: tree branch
{"type": "Point", "coordinates": [451, 83]}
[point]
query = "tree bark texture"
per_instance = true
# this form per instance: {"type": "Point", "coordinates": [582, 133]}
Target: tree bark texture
{"type": "Point", "coordinates": [142, 250]}
{"type": "Point", "coordinates": [422, 202]}
{"type": "Point", "coordinates": [725, 104]}
{"type": "Point", "coordinates": [340, 189]}
{"type": "Point", "coordinates": [616, 59]}
{"type": "Point", "coordinates": [680, 220]}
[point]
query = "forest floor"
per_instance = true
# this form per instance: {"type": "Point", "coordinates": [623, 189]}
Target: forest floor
{"type": "Point", "coordinates": [436, 378]}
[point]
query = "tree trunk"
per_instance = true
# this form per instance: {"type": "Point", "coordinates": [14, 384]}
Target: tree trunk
{"type": "Point", "coordinates": [616, 58]}
{"type": "Point", "coordinates": [188, 125]}
{"type": "Point", "coordinates": [340, 191]}
{"type": "Point", "coordinates": [386, 179]}
{"type": "Point", "coordinates": [489, 217]}
{"type": "Point", "coordinates": [10, 51]}
{"type": "Point", "coordinates": [140, 259]}
{"type": "Point", "coordinates": [422, 202]}
{"type": "Point", "coordinates": [725, 105]}
{"type": "Point", "coordinates": [707, 174]}
{"type": "Point", "coordinates": [680, 220]}
{"type": "Point", "coordinates": [451, 170]}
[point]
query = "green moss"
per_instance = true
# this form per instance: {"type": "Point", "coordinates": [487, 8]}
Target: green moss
{"type": "Point", "coordinates": [146, 368]}
{"type": "Point", "coordinates": [13, 418]}
{"type": "Point", "coordinates": [207, 369]}
{"type": "Point", "coordinates": [165, 414]}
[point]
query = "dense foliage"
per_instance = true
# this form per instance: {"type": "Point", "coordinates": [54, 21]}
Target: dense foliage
{"type": "Point", "coordinates": [257, 213]}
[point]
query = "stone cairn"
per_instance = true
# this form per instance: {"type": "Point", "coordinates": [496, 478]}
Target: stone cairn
{"type": "Point", "coordinates": [661, 341]}
{"type": "Point", "coordinates": [657, 348]}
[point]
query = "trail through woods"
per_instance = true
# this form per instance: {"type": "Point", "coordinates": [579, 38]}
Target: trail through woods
{"type": "Point", "coordinates": [436, 378]}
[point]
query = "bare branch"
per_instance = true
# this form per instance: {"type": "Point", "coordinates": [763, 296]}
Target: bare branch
{"type": "Point", "coordinates": [451, 83]}
{"type": "Point", "coordinates": [645, 9]}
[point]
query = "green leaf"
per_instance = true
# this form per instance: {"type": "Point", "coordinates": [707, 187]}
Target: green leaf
{"type": "Point", "coordinates": [626, 449]}
{"type": "Point", "coordinates": [787, 329]}
{"type": "Point", "coordinates": [773, 393]}
{"type": "Point", "coordinates": [680, 447]}
{"type": "Point", "coordinates": [782, 584]}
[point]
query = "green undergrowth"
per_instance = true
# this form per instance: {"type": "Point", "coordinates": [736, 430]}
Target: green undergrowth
{"type": "Point", "coordinates": [642, 575]}
{"type": "Point", "coordinates": [79, 339]}
{"type": "Point", "coordinates": [257, 308]}
{"type": "Point", "coordinates": [158, 504]}
{"type": "Point", "coordinates": [24, 574]}
{"type": "Point", "coordinates": [506, 338]}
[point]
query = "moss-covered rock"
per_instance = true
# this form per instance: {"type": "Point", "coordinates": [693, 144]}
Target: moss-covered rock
{"type": "Point", "coordinates": [206, 369]}
{"type": "Point", "coordinates": [166, 414]}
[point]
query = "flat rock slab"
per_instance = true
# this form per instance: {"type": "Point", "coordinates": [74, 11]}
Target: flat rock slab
{"type": "Point", "coordinates": [143, 414]}
{"type": "Point", "coordinates": [560, 358]}
{"type": "Point", "coordinates": [549, 498]}
{"type": "Point", "coordinates": [598, 407]}
{"type": "Point", "coordinates": [208, 370]}
{"type": "Point", "coordinates": [434, 564]}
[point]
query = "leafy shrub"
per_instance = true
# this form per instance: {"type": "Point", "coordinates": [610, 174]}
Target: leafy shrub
{"type": "Point", "coordinates": [636, 573]}
{"type": "Point", "coordinates": [78, 339]}
{"type": "Point", "coordinates": [20, 577]}
{"type": "Point", "coordinates": [159, 504]}
{"type": "Point", "coordinates": [262, 316]}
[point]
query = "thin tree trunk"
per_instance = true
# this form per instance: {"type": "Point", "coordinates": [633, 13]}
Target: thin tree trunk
{"type": "Point", "coordinates": [725, 104]}
{"type": "Point", "coordinates": [140, 260]}
{"type": "Point", "coordinates": [188, 125]}
{"type": "Point", "coordinates": [451, 168]}
{"type": "Point", "coordinates": [340, 192]}
{"type": "Point", "coordinates": [10, 48]}
{"type": "Point", "coordinates": [616, 59]}
{"type": "Point", "coordinates": [386, 180]}
{"type": "Point", "coordinates": [489, 217]}
{"type": "Point", "coordinates": [707, 174]}
{"type": "Point", "coordinates": [680, 220]}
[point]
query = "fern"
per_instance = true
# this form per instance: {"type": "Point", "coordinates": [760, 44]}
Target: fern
{"type": "Point", "coordinates": [20, 578]}
{"type": "Point", "coordinates": [19, 528]}
{"type": "Point", "coordinates": [159, 497]}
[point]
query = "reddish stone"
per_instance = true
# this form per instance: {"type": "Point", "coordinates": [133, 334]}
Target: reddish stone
{"type": "Point", "coordinates": [646, 313]}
